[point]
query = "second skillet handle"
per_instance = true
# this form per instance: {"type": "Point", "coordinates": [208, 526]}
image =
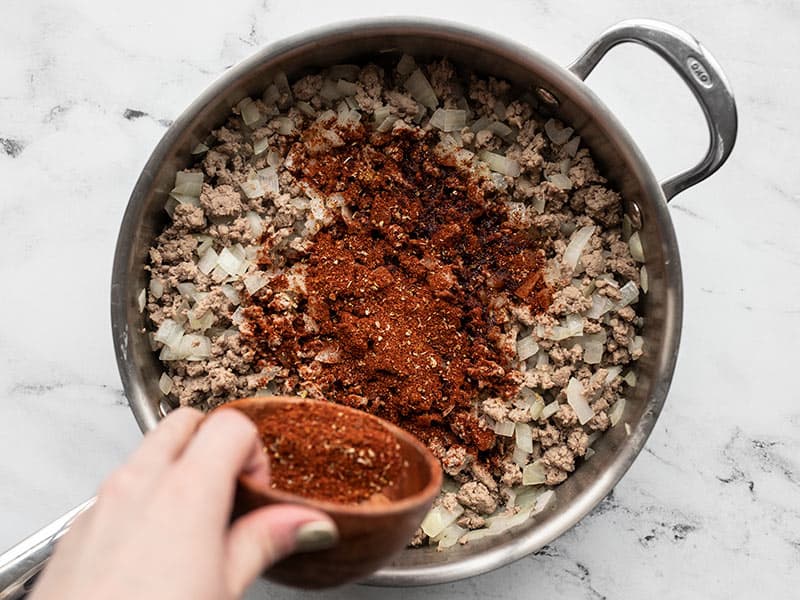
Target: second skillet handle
{"type": "Point", "coordinates": [699, 71]}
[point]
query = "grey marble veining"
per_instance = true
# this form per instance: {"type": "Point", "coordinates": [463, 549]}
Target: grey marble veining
{"type": "Point", "coordinates": [710, 509]}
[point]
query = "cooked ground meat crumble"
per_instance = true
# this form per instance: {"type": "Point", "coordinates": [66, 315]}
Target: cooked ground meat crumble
{"type": "Point", "coordinates": [250, 282]}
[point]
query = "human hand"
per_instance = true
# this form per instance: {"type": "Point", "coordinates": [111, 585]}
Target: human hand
{"type": "Point", "coordinates": [161, 525]}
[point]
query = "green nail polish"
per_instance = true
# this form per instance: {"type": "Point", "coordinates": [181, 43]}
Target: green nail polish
{"type": "Point", "coordinates": [316, 535]}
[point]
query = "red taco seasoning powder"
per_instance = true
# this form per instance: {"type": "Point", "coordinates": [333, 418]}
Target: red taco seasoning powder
{"type": "Point", "coordinates": [403, 289]}
{"type": "Point", "coordinates": [328, 455]}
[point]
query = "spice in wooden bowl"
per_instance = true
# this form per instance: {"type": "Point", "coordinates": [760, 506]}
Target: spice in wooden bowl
{"type": "Point", "coordinates": [331, 456]}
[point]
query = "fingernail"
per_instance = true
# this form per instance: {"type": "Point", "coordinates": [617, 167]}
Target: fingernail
{"type": "Point", "coordinates": [315, 535]}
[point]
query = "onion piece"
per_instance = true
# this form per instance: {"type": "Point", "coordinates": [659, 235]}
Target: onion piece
{"type": "Point", "coordinates": [576, 398]}
{"type": "Point", "coordinates": [284, 125]}
{"type": "Point", "coordinates": [231, 294]}
{"type": "Point", "coordinates": [438, 518]}
{"type": "Point", "coordinates": [644, 283]}
{"type": "Point", "coordinates": [169, 333]}
{"type": "Point", "coordinates": [499, 129]}
{"type": "Point", "coordinates": [449, 536]}
{"type": "Point", "coordinates": [195, 347]}
{"type": "Point", "coordinates": [636, 346]}
{"type": "Point", "coordinates": [305, 108]}
{"type": "Point", "coordinates": [252, 188]}
{"type": "Point", "coordinates": [237, 318]}
{"type": "Point", "coordinates": [249, 111]}
{"type": "Point", "coordinates": [200, 148]}
{"type": "Point", "coordinates": [254, 282]}
{"type": "Point", "coordinates": [165, 384]}
{"type": "Point", "coordinates": [208, 261]}
{"type": "Point", "coordinates": [615, 414]}
{"type": "Point", "coordinates": [527, 347]}
{"type": "Point", "coordinates": [543, 501]}
{"type": "Point", "coordinates": [560, 181]}
{"type": "Point", "coordinates": [269, 180]}
{"type": "Point", "coordinates": [556, 134]}
{"type": "Point", "coordinates": [630, 378]}
{"type": "Point", "coordinates": [600, 306]}
{"type": "Point", "coordinates": [504, 428]}
{"type": "Point", "coordinates": [260, 145]}
{"type": "Point", "coordinates": [571, 147]}
{"type": "Point", "coordinates": [500, 164]}
{"type": "Point", "coordinates": [572, 327]}
{"type": "Point", "coordinates": [519, 457]}
{"type": "Point", "coordinates": [420, 89]}
{"type": "Point", "coordinates": [156, 288]}
{"type": "Point", "coordinates": [635, 244]}
{"type": "Point", "coordinates": [523, 437]}
{"type": "Point", "coordinates": [406, 64]}
{"type": "Point", "coordinates": [576, 245]}
{"type": "Point", "coordinates": [589, 454]}
{"type": "Point", "coordinates": [256, 223]}
{"type": "Point", "coordinates": [549, 410]}
{"type": "Point", "coordinates": [534, 473]}
{"type": "Point", "coordinates": [330, 91]}
{"type": "Point", "coordinates": [448, 119]}
{"type": "Point", "coordinates": [629, 294]}
{"type": "Point", "coordinates": [229, 262]}
{"type": "Point", "coordinates": [613, 373]}
{"type": "Point", "coordinates": [346, 88]}
{"type": "Point", "coordinates": [593, 347]}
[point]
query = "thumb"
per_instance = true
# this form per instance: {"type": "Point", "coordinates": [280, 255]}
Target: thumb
{"type": "Point", "coordinates": [260, 538]}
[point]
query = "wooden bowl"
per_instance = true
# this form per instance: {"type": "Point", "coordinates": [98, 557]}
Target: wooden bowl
{"type": "Point", "coordinates": [370, 534]}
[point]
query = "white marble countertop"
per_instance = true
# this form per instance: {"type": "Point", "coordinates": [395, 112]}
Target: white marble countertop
{"type": "Point", "coordinates": [712, 506]}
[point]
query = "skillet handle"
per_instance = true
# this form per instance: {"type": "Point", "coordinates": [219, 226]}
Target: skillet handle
{"type": "Point", "coordinates": [699, 71]}
{"type": "Point", "coordinates": [21, 565]}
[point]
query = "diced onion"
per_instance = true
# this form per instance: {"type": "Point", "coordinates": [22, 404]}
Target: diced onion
{"type": "Point", "coordinates": [635, 244]}
{"type": "Point", "coordinates": [500, 164]}
{"type": "Point", "coordinates": [346, 88]}
{"type": "Point", "coordinates": [527, 347]}
{"type": "Point", "coordinates": [305, 108]}
{"type": "Point", "coordinates": [201, 148]}
{"type": "Point", "coordinates": [571, 147]}
{"type": "Point", "coordinates": [448, 119]}
{"type": "Point", "coordinates": [229, 262]}
{"type": "Point", "coordinates": [615, 414]}
{"type": "Point", "coordinates": [630, 378]}
{"type": "Point", "coordinates": [231, 294]}
{"type": "Point", "coordinates": [576, 245]}
{"type": "Point", "coordinates": [629, 293]}
{"type": "Point", "coordinates": [169, 333]}
{"type": "Point", "coordinates": [284, 125]}
{"type": "Point", "coordinates": [206, 242]}
{"type": "Point", "coordinates": [557, 135]}
{"type": "Point", "coordinates": [269, 180]}
{"type": "Point", "coordinates": [549, 410]}
{"type": "Point", "coordinates": [256, 223]}
{"type": "Point", "coordinates": [249, 111]}
{"type": "Point", "coordinates": [613, 373]}
{"type": "Point", "coordinates": [593, 347]}
{"type": "Point", "coordinates": [195, 347]}
{"type": "Point", "coordinates": [406, 64]}
{"type": "Point", "coordinates": [252, 188]}
{"type": "Point", "coordinates": [520, 457]}
{"type": "Point", "coordinates": [254, 282]}
{"type": "Point", "coordinates": [165, 384]}
{"type": "Point", "coordinates": [636, 345]}
{"type": "Point", "coordinates": [330, 91]}
{"type": "Point", "coordinates": [208, 261]}
{"type": "Point", "coordinates": [237, 318]}
{"type": "Point", "coordinates": [438, 518]}
{"type": "Point", "coordinates": [499, 129]}
{"type": "Point", "coordinates": [187, 289]}
{"type": "Point", "coordinates": [449, 536]}
{"type": "Point", "coordinates": [420, 89]}
{"type": "Point", "coordinates": [543, 501]}
{"type": "Point", "coordinates": [260, 145]}
{"type": "Point", "coordinates": [627, 428]}
{"type": "Point", "coordinates": [273, 158]}
{"type": "Point", "coordinates": [589, 454]}
{"type": "Point", "coordinates": [560, 181]}
{"type": "Point", "coordinates": [141, 300]}
{"type": "Point", "coordinates": [387, 123]}
{"type": "Point", "coordinates": [577, 400]}
{"type": "Point", "coordinates": [572, 327]}
{"type": "Point", "coordinates": [643, 281]}
{"type": "Point", "coordinates": [534, 473]}
{"type": "Point", "coordinates": [504, 428]}
{"type": "Point", "coordinates": [600, 306]}
{"type": "Point", "coordinates": [523, 437]}
{"type": "Point", "coordinates": [156, 288]}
